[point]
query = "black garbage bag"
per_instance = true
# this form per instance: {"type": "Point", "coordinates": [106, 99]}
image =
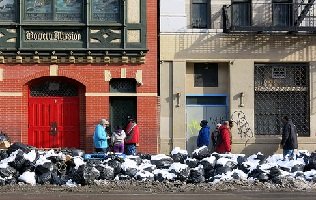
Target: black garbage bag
{"type": "Point", "coordinates": [106, 172]}
{"type": "Point", "coordinates": [19, 160]}
{"type": "Point", "coordinates": [77, 174]}
{"type": "Point", "coordinates": [3, 154]}
{"type": "Point", "coordinates": [263, 177]}
{"type": "Point", "coordinates": [192, 163]}
{"type": "Point", "coordinates": [17, 145]}
{"type": "Point", "coordinates": [178, 157]}
{"type": "Point", "coordinates": [201, 153]}
{"type": "Point", "coordinates": [209, 174]}
{"type": "Point", "coordinates": [196, 175]}
{"type": "Point", "coordinates": [163, 163]}
{"type": "Point", "coordinates": [145, 156]}
{"type": "Point", "coordinates": [61, 168]}
{"type": "Point", "coordinates": [219, 169]}
{"type": "Point", "coordinates": [116, 165]}
{"type": "Point", "coordinates": [241, 160]}
{"type": "Point", "coordinates": [11, 181]}
{"type": "Point", "coordinates": [7, 172]}
{"type": "Point", "coordinates": [207, 165]}
{"type": "Point", "coordinates": [44, 168]}
{"type": "Point", "coordinates": [4, 137]}
{"type": "Point", "coordinates": [77, 152]}
{"type": "Point", "coordinates": [2, 181]}
{"type": "Point", "coordinates": [44, 178]}
{"type": "Point", "coordinates": [297, 167]}
{"type": "Point", "coordinates": [130, 172]}
{"type": "Point", "coordinates": [90, 174]}
{"type": "Point", "coordinates": [262, 158]}
{"type": "Point", "coordinates": [58, 179]}
{"type": "Point", "coordinates": [28, 166]}
{"type": "Point", "coordinates": [300, 174]}
{"type": "Point", "coordinates": [182, 174]}
{"type": "Point", "coordinates": [311, 163]}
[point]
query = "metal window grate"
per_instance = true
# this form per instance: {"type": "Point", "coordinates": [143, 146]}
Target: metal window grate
{"type": "Point", "coordinates": [123, 85]}
{"type": "Point", "coordinates": [281, 89]}
{"type": "Point", "coordinates": [53, 88]}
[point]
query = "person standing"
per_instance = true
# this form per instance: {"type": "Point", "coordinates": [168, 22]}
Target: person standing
{"type": "Point", "coordinates": [204, 134]}
{"type": "Point", "coordinates": [118, 137]}
{"type": "Point", "coordinates": [224, 146]}
{"type": "Point", "coordinates": [100, 136]}
{"type": "Point", "coordinates": [289, 138]}
{"type": "Point", "coordinates": [215, 137]}
{"type": "Point", "coordinates": [132, 136]}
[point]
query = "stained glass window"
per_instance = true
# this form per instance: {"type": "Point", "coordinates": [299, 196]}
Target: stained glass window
{"type": "Point", "coordinates": [106, 10]}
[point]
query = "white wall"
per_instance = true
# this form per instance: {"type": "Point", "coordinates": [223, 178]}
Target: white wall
{"type": "Point", "coordinates": [172, 16]}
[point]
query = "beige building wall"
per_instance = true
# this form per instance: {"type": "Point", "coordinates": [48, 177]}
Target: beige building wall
{"type": "Point", "coordinates": [236, 54]}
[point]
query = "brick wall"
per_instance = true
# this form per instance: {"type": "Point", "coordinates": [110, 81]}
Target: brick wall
{"type": "Point", "coordinates": [90, 78]}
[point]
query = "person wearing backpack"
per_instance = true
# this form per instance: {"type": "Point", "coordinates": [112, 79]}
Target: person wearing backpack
{"type": "Point", "coordinates": [224, 145]}
{"type": "Point", "coordinates": [117, 139]}
{"type": "Point", "coordinates": [132, 136]}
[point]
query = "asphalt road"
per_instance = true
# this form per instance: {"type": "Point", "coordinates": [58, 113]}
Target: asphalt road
{"type": "Point", "coordinates": [145, 196]}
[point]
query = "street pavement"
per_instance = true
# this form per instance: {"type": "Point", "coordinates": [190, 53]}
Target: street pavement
{"type": "Point", "coordinates": [146, 196]}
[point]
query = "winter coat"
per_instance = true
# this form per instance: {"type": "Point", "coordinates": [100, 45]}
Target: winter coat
{"type": "Point", "coordinates": [132, 133]}
{"type": "Point", "coordinates": [100, 137]}
{"type": "Point", "coordinates": [204, 136]}
{"type": "Point", "coordinates": [118, 137]}
{"type": "Point", "coordinates": [289, 136]}
{"type": "Point", "coordinates": [225, 144]}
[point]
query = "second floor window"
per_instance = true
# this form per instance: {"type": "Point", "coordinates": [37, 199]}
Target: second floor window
{"type": "Point", "coordinates": [241, 12]}
{"type": "Point", "coordinates": [199, 16]}
{"type": "Point", "coordinates": [282, 12]}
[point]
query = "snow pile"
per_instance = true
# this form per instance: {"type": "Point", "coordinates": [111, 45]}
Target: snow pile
{"type": "Point", "coordinates": [69, 168]}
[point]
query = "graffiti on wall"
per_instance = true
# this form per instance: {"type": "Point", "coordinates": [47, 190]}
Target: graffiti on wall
{"type": "Point", "coordinates": [242, 125]}
{"type": "Point", "coordinates": [194, 127]}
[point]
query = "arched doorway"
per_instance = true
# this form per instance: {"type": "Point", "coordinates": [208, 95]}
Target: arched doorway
{"type": "Point", "coordinates": [53, 113]}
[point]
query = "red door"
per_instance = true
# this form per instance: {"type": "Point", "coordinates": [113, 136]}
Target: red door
{"type": "Point", "coordinates": [54, 122]}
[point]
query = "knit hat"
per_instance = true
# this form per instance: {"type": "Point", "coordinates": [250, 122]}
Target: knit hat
{"type": "Point", "coordinates": [204, 122]}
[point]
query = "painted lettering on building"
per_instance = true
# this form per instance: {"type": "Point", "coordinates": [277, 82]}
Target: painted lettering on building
{"type": "Point", "coordinates": [51, 36]}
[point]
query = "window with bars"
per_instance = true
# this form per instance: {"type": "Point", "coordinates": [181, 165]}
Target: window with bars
{"type": "Point", "coordinates": [281, 89]}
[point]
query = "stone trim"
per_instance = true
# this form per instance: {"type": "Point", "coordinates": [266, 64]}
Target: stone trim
{"type": "Point", "coordinates": [96, 94]}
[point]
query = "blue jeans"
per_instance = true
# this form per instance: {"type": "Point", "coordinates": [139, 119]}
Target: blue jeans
{"type": "Point", "coordinates": [130, 149]}
{"type": "Point", "coordinates": [289, 153]}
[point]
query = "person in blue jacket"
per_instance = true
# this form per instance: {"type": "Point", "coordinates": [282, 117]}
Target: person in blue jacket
{"type": "Point", "coordinates": [100, 137]}
{"type": "Point", "coordinates": [204, 134]}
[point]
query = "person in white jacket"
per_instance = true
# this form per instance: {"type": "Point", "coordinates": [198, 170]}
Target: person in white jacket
{"type": "Point", "coordinates": [118, 137]}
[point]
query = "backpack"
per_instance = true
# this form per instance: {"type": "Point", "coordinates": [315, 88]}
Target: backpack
{"type": "Point", "coordinates": [217, 138]}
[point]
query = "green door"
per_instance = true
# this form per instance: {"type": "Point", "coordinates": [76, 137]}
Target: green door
{"type": "Point", "coordinates": [121, 107]}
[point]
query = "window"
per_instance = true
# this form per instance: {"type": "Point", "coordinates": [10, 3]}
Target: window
{"type": "Point", "coordinates": [199, 13]}
{"type": "Point", "coordinates": [108, 11]}
{"type": "Point", "coordinates": [241, 12]}
{"type": "Point", "coordinates": [205, 75]}
{"type": "Point", "coordinates": [206, 100]}
{"type": "Point", "coordinates": [53, 10]}
{"type": "Point", "coordinates": [282, 12]}
{"type": "Point", "coordinates": [7, 10]}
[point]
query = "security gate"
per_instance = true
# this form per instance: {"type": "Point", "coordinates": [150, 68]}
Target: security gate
{"type": "Point", "coordinates": [53, 115]}
{"type": "Point", "coordinates": [121, 107]}
{"type": "Point", "coordinates": [281, 89]}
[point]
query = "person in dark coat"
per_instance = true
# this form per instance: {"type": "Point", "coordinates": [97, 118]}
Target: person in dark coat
{"type": "Point", "coordinates": [289, 138]}
{"type": "Point", "coordinates": [204, 134]}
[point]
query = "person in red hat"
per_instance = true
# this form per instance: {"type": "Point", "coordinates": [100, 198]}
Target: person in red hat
{"type": "Point", "coordinates": [132, 136]}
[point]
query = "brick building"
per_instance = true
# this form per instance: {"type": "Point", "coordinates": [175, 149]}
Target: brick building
{"type": "Point", "coordinates": [64, 65]}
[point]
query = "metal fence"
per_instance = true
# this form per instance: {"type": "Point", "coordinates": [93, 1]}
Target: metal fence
{"type": "Point", "coordinates": [281, 89]}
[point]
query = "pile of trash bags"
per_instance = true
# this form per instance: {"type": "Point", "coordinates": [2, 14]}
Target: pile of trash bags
{"type": "Point", "coordinates": [21, 163]}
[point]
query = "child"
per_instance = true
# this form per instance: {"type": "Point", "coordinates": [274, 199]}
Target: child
{"type": "Point", "coordinates": [118, 137]}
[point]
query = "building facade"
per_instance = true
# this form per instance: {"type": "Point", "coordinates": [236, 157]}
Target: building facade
{"type": "Point", "coordinates": [248, 61]}
{"type": "Point", "coordinates": [65, 64]}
